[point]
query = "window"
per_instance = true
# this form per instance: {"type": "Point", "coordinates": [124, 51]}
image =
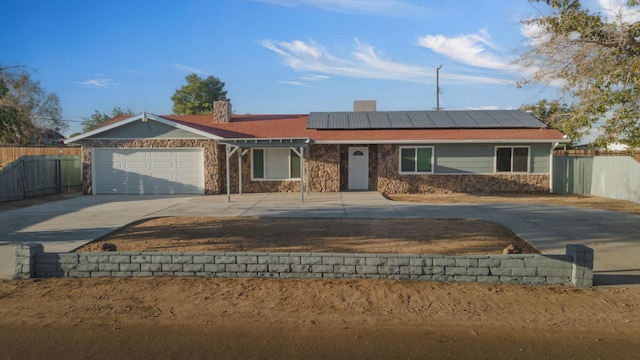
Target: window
{"type": "Point", "coordinates": [512, 159]}
{"type": "Point", "coordinates": [416, 160]}
{"type": "Point", "coordinates": [275, 164]}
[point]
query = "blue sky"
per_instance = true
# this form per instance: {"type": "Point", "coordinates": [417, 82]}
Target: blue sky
{"type": "Point", "coordinates": [275, 56]}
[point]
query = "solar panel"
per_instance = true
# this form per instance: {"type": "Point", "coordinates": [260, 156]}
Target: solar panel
{"type": "Point", "coordinates": [359, 120]}
{"type": "Point", "coordinates": [484, 119]}
{"type": "Point", "coordinates": [399, 120]}
{"type": "Point", "coordinates": [420, 119]}
{"type": "Point", "coordinates": [462, 119]}
{"type": "Point", "coordinates": [446, 119]}
{"type": "Point", "coordinates": [526, 119]}
{"type": "Point", "coordinates": [441, 119]}
{"type": "Point", "coordinates": [318, 120]}
{"type": "Point", "coordinates": [379, 120]}
{"type": "Point", "coordinates": [338, 120]}
{"type": "Point", "coordinates": [504, 119]}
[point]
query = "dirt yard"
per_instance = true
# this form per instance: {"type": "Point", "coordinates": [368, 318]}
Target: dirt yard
{"type": "Point", "coordinates": [165, 318]}
{"type": "Point", "coordinates": [417, 236]}
{"type": "Point", "coordinates": [586, 201]}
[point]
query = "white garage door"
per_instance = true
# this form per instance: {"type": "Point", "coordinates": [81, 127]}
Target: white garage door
{"type": "Point", "coordinates": [148, 171]}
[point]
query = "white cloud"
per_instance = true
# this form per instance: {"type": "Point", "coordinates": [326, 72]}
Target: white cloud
{"type": "Point", "coordinates": [314, 77]}
{"type": "Point", "coordinates": [618, 10]}
{"type": "Point", "coordinates": [306, 81]}
{"type": "Point", "coordinates": [534, 33]}
{"type": "Point", "coordinates": [487, 107]}
{"type": "Point", "coordinates": [292, 82]}
{"type": "Point", "coordinates": [365, 63]}
{"type": "Point", "coordinates": [470, 49]}
{"type": "Point", "coordinates": [394, 8]}
{"type": "Point", "coordinates": [612, 10]}
{"type": "Point", "coordinates": [99, 81]}
{"type": "Point", "coordinates": [188, 69]}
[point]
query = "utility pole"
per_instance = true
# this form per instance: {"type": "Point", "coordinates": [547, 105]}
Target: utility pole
{"type": "Point", "coordinates": [438, 88]}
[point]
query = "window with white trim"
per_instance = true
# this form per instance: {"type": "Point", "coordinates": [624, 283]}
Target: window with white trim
{"type": "Point", "coordinates": [512, 159]}
{"type": "Point", "coordinates": [416, 159]}
{"type": "Point", "coordinates": [275, 164]}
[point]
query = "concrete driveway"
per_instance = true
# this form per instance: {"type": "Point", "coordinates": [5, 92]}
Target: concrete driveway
{"type": "Point", "coordinates": [67, 224]}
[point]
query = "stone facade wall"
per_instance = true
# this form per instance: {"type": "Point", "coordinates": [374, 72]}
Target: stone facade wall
{"type": "Point", "coordinates": [391, 182]}
{"type": "Point", "coordinates": [212, 177]}
{"type": "Point", "coordinates": [322, 161]}
{"type": "Point", "coordinates": [470, 184]}
{"type": "Point", "coordinates": [328, 171]}
{"type": "Point", "coordinates": [324, 168]}
{"type": "Point", "coordinates": [575, 267]}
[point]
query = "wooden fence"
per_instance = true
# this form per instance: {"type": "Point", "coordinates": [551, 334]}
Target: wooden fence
{"type": "Point", "coordinates": [33, 176]}
{"type": "Point", "coordinates": [635, 155]}
{"type": "Point", "coordinates": [9, 154]}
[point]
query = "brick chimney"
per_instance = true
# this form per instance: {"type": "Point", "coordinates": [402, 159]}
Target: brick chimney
{"type": "Point", "coordinates": [221, 111]}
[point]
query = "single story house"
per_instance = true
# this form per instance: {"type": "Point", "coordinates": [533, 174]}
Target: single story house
{"type": "Point", "coordinates": [473, 151]}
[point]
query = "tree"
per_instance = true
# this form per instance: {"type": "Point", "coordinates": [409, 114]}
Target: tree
{"type": "Point", "coordinates": [553, 113]}
{"type": "Point", "coordinates": [9, 114]}
{"type": "Point", "coordinates": [26, 108]}
{"type": "Point", "coordinates": [596, 61]}
{"type": "Point", "coordinates": [198, 95]}
{"type": "Point", "coordinates": [98, 118]}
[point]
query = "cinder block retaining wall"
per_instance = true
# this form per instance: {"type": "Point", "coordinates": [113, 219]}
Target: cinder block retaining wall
{"type": "Point", "coordinates": [575, 267]}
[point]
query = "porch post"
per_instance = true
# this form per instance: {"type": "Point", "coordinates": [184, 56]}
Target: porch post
{"type": "Point", "coordinates": [240, 172]}
{"type": "Point", "coordinates": [228, 151]}
{"type": "Point", "coordinates": [551, 172]}
{"type": "Point", "coordinates": [302, 174]}
{"type": "Point", "coordinates": [306, 173]}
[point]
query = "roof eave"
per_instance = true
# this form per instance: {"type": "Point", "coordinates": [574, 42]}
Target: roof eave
{"type": "Point", "coordinates": [166, 121]}
{"type": "Point", "coordinates": [104, 128]}
{"type": "Point", "coordinates": [445, 141]}
{"type": "Point", "coordinates": [267, 142]}
{"type": "Point", "coordinates": [144, 116]}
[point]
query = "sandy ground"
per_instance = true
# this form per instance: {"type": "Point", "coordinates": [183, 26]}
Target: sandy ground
{"type": "Point", "coordinates": [416, 236]}
{"type": "Point", "coordinates": [586, 201]}
{"type": "Point", "coordinates": [179, 318]}
{"type": "Point", "coordinates": [175, 318]}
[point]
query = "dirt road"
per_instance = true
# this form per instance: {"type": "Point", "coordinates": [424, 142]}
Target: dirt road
{"type": "Point", "coordinates": [313, 319]}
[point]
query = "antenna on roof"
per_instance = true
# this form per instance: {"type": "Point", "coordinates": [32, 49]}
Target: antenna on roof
{"type": "Point", "coordinates": [438, 88]}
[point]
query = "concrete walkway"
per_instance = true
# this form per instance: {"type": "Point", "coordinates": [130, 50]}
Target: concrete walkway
{"type": "Point", "coordinates": [68, 224]}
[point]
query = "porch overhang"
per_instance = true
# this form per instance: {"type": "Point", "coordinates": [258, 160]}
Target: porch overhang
{"type": "Point", "coordinates": [267, 142]}
{"type": "Point", "coordinates": [241, 146]}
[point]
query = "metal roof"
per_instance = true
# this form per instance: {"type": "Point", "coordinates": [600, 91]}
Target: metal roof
{"type": "Point", "coordinates": [430, 119]}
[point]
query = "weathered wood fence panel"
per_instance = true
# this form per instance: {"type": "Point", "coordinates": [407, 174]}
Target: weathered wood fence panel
{"type": "Point", "coordinates": [32, 176]}
{"type": "Point", "coordinates": [635, 155]}
{"type": "Point", "coordinates": [9, 154]}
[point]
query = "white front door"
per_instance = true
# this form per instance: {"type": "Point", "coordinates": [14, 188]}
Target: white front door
{"type": "Point", "coordinates": [358, 168]}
